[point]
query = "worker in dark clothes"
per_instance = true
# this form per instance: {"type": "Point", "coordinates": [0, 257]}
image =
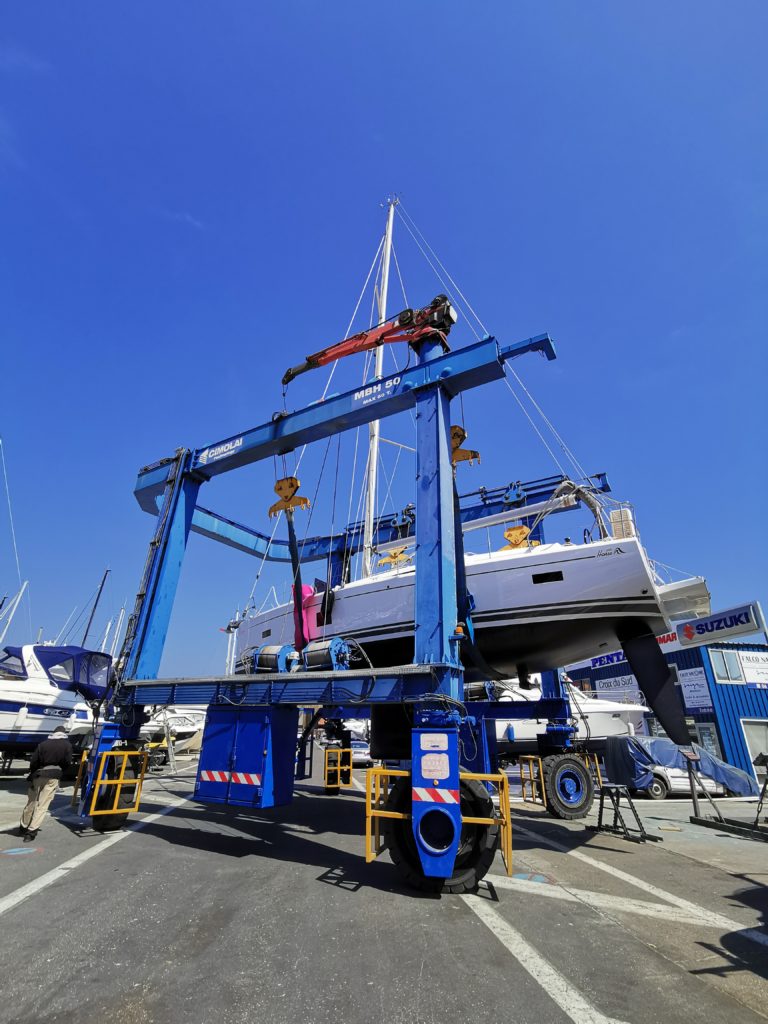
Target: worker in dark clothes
{"type": "Point", "coordinates": [49, 761]}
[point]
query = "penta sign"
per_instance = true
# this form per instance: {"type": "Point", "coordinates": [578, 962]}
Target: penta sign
{"type": "Point", "coordinates": [721, 626]}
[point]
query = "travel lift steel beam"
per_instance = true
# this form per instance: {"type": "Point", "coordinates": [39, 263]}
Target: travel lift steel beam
{"type": "Point", "coordinates": [249, 745]}
{"type": "Point", "coordinates": [519, 501]}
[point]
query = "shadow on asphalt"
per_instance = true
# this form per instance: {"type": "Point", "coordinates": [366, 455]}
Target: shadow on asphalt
{"type": "Point", "coordinates": [742, 952]}
{"type": "Point", "coordinates": [572, 836]}
{"type": "Point", "coordinates": [276, 834]}
{"type": "Point", "coordinates": [343, 870]}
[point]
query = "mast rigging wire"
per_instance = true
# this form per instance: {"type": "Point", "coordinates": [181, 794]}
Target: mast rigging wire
{"type": "Point", "coordinates": [565, 449]}
{"type": "Point", "coordinates": [533, 425]}
{"type": "Point", "coordinates": [400, 276]}
{"type": "Point", "coordinates": [322, 398]}
{"type": "Point", "coordinates": [440, 278]}
{"type": "Point", "coordinates": [406, 218]}
{"type": "Point", "coordinates": [409, 223]}
{"type": "Point", "coordinates": [13, 535]}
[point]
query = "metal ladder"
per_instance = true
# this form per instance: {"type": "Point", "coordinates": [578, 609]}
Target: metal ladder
{"type": "Point", "coordinates": [156, 546]}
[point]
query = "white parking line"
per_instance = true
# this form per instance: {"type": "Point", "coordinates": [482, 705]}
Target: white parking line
{"type": "Point", "coordinates": [596, 900]}
{"type": "Point", "coordinates": [705, 916]}
{"type": "Point", "coordinates": [557, 987]}
{"type": "Point", "coordinates": [36, 885]}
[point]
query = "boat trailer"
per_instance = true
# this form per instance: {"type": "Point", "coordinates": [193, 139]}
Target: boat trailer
{"type": "Point", "coordinates": [434, 812]}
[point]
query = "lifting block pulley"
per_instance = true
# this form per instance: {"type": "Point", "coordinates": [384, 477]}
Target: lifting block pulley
{"type": "Point", "coordinates": [397, 556]}
{"type": "Point", "coordinates": [285, 489]}
{"type": "Point", "coordinates": [517, 537]}
{"type": "Point", "coordinates": [459, 454]}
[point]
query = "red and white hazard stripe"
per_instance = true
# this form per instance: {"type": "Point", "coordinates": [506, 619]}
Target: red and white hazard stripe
{"type": "Point", "coordinates": [435, 796]}
{"type": "Point", "coordinates": [246, 779]}
{"type": "Point", "coordinates": [208, 776]}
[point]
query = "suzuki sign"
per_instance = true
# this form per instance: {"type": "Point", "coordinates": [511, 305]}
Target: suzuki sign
{"type": "Point", "coordinates": [722, 626]}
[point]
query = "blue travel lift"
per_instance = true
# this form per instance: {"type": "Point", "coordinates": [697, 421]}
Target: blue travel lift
{"type": "Point", "coordinates": [438, 821]}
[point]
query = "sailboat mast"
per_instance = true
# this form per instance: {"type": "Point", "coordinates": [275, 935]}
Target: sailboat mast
{"type": "Point", "coordinates": [378, 373]}
{"type": "Point", "coordinates": [95, 606]}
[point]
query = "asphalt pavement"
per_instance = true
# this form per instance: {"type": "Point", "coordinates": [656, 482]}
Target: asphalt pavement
{"type": "Point", "coordinates": [197, 914]}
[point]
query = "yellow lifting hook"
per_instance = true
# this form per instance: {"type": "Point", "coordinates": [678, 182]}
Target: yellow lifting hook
{"type": "Point", "coordinates": [459, 454]}
{"type": "Point", "coordinates": [286, 489]}
{"type": "Point", "coordinates": [517, 537]}
{"type": "Point", "coordinates": [396, 556]}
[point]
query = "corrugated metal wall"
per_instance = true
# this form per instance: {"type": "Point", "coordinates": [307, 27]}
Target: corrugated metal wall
{"type": "Point", "coordinates": [732, 702]}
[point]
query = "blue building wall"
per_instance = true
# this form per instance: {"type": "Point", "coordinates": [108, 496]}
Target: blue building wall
{"type": "Point", "coordinates": [730, 701]}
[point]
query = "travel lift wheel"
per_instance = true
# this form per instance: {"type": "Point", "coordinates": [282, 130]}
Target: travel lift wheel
{"type": "Point", "coordinates": [568, 785]}
{"type": "Point", "coordinates": [114, 822]}
{"type": "Point", "coordinates": [477, 845]}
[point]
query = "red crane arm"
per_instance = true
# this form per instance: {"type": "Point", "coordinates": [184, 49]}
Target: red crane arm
{"type": "Point", "coordinates": [410, 326]}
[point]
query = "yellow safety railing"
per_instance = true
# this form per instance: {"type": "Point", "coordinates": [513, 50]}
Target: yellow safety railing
{"type": "Point", "coordinates": [80, 769]}
{"type": "Point", "coordinates": [528, 777]}
{"type": "Point", "coordinates": [504, 819]}
{"type": "Point", "coordinates": [377, 787]}
{"type": "Point", "coordinates": [338, 760]}
{"type": "Point", "coordinates": [593, 765]}
{"type": "Point", "coordinates": [118, 781]}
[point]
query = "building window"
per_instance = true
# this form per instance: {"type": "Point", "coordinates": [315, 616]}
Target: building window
{"type": "Point", "coordinates": [727, 666]}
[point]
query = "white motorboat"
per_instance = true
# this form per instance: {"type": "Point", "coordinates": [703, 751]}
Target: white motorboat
{"type": "Point", "coordinates": [43, 686]}
{"type": "Point", "coordinates": [184, 723]}
{"type": "Point", "coordinates": [595, 719]}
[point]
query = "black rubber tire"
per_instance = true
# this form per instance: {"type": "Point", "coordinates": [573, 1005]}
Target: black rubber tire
{"type": "Point", "coordinates": [658, 789]}
{"type": "Point", "coordinates": [114, 822]}
{"type": "Point", "coordinates": [557, 769]}
{"type": "Point", "coordinates": [477, 846]}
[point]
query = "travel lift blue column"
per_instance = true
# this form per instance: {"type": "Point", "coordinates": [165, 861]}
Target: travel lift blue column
{"type": "Point", "coordinates": [435, 785]}
{"type": "Point", "coordinates": [148, 624]}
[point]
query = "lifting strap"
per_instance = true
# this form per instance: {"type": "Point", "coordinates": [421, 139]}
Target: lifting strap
{"type": "Point", "coordinates": [298, 590]}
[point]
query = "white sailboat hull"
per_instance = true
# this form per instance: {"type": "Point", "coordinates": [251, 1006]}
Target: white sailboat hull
{"type": "Point", "coordinates": [537, 608]}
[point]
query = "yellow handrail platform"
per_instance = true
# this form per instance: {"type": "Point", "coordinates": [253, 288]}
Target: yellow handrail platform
{"type": "Point", "coordinates": [338, 767]}
{"type": "Point", "coordinates": [118, 782]}
{"type": "Point", "coordinates": [527, 764]}
{"type": "Point", "coordinates": [377, 787]}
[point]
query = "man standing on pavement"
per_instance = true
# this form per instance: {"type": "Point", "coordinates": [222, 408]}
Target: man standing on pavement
{"type": "Point", "coordinates": [51, 759]}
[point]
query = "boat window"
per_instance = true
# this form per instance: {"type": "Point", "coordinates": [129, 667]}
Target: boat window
{"type": "Point", "coordinates": [547, 577]}
{"type": "Point", "coordinates": [98, 669]}
{"type": "Point", "coordinates": [64, 672]}
{"type": "Point", "coordinates": [727, 666]}
{"type": "Point", "coordinates": [11, 665]}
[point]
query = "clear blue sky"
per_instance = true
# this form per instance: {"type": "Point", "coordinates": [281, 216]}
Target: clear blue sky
{"type": "Point", "coordinates": [189, 202]}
